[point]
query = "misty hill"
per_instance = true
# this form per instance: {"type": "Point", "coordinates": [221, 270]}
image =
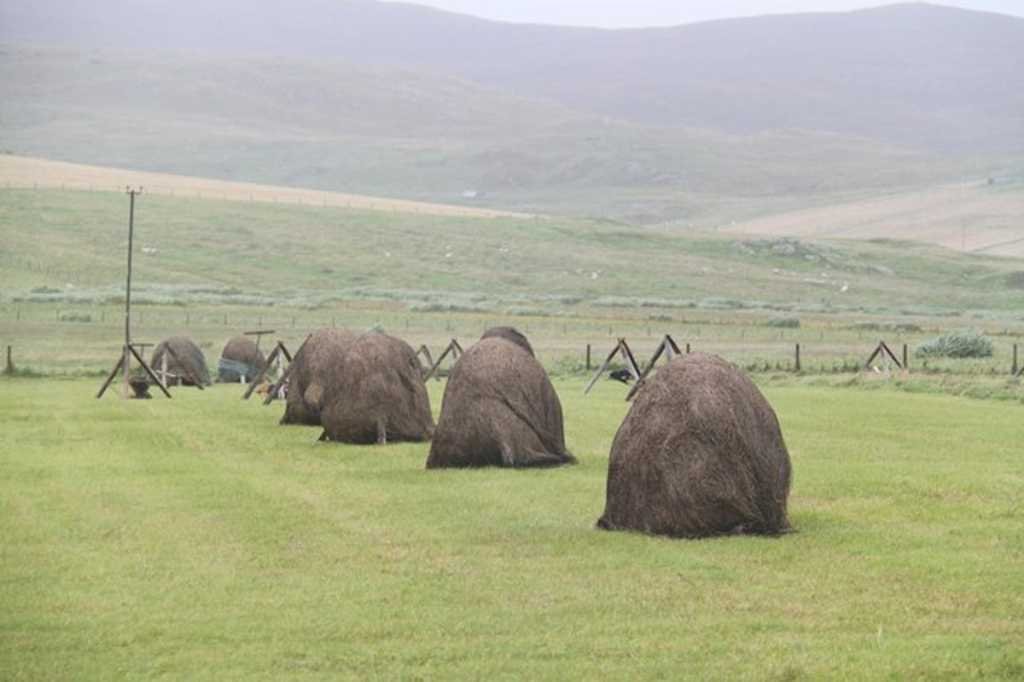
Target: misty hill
{"type": "Point", "coordinates": [917, 75]}
{"type": "Point", "coordinates": [335, 125]}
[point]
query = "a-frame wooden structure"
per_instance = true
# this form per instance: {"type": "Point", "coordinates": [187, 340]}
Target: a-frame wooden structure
{"type": "Point", "coordinates": [126, 353]}
{"type": "Point", "coordinates": [669, 348]}
{"type": "Point", "coordinates": [279, 353]}
{"type": "Point", "coordinates": [453, 349]}
{"type": "Point", "coordinates": [884, 352]}
{"type": "Point", "coordinates": [424, 353]}
{"type": "Point", "coordinates": [623, 350]}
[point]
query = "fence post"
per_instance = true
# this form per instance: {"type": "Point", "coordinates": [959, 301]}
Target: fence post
{"type": "Point", "coordinates": [906, 358]}
{"type": "Point", "coordinates": [797, 364]}
{"type": "Point", "coordinates": [1016, 364]}
{"type": "Point", "coordinates": [588, 358]}
{"type": "Point", "coordinates": [9, 368]}
{"type": "Point", "coordinates": [687, 347]}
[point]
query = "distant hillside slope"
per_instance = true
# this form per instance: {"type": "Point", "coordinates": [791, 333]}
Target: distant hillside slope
{"type": "Point", "coordinates": [332, 125]}
{"type": "Point", "coordinates": [69, 246]}
{"type": "Point", "coordinates": [913, 74]}
{"type": "Point", "coordinates": [17, 172]}
{"type": "Point", "coordinates": [976, 218]}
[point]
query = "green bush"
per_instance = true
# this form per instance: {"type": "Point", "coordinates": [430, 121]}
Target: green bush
{"type": "Point", "coordinates": [784, 323]}
{"type": "Point", "coordinates": [963, 343]}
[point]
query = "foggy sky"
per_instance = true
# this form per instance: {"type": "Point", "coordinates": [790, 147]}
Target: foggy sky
{"type": "Point", "coordinates": [619, 13]}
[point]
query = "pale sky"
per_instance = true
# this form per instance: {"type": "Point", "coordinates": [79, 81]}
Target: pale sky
{"type": "Point", "coordinates": [623, 13]}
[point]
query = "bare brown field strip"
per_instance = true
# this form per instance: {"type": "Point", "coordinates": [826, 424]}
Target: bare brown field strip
{"type": "Point", "coordinates": [971, 217]}
{"type": "Point", "coordinates": [23, 172]}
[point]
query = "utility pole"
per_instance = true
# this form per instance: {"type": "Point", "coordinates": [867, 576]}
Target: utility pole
{"type": "Point", "coordinates": [132, 192]}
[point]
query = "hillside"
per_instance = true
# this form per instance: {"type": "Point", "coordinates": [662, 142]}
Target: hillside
{"type": "Point", "coordinates": [337, 126]}
{"type": "Point", "coordinates": [914, 75]}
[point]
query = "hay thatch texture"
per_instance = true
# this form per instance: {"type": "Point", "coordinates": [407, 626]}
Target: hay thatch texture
{"type": "Point", "coordinates": [188, 369]}
{"type": "Point", "coordinates": [312, 369]}
{"type": "Point", "coordinates": [376, 394]}
{"type": "Point", "coordinates": [499, 409]}
{"type": "Point", "coordinates": [699, 454]}
{"type": "Point", "coordinates": [241, 358]}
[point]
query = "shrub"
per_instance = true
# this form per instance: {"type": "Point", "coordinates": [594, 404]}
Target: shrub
{"type": "Point", "coordinates": [785, 323]}
{"type": "Point", "coordinates": [75, 317]}
{"type": "Point", "coordinates": [963, 343]}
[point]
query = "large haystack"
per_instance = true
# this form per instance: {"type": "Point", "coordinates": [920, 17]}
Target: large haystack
{"type": "Point", "coordinates": [377, 394]}
{"type": "Point", "coordinates": [699, 454]}
{"type": "Point", "coordinates": [186, 365]}
{"type": "Point", "coordinates": [312, 369]}
{"type": "Point", "coordinates": [499, 409]}
{"type": "Point", "coordinates": [240, 360]}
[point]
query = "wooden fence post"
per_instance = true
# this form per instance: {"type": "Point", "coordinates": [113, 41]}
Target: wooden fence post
{"type": "Point", "coordinates": [588, 358]}
{"type": "Point", "coordinates": [797, 364]}
{"type": "Point", "coordinates": [1015, 371]}
{"type": "Point", "coordinates": [906, 358]}
{"type": "Point", "coordinates": [9, 367]}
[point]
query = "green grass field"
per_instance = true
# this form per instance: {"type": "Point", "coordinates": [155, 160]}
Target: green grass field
{"type": "Point", "coordinates": [196, 539]}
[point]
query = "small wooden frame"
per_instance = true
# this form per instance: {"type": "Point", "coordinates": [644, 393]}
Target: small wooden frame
{"type": "Point", "coordinates": [668, 347]}
{"type": "Point", "coordinates": [280, 351]}
{"type": "Point", "coordinates": [622, 349]}
{"type": "Point", "coordinates": [883, 351]}
{"type": "Point", "coordinates": [259, 334]}
{"type": "Point", "coordinates": [424, 352]}
{"type": "Point", "coordinates": [120, 365]}
{"type": "Point", "coordinates": [453, 349]}
{"type": "Point", "coordinates": [275, 388]}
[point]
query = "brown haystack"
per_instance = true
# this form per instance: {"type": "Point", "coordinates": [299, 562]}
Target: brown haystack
{"type": "Point", "coordinates": [312, 369]}
{"type": "Point", "coordinates": [186, 366]}
{"type": "Point", "coordinates": [699, 454]}
{"type": "Point", "coordinates": [499, 409]}
{"type": "Point", "coordinates": [376, 394]}
{"type": "Point", "coordinates": [509, 334]}
{"type": "Point", "coordinates": [240, 359]}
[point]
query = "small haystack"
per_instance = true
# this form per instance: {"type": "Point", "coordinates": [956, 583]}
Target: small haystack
{"type": "Point", "coordinates": [699, 454]}
{"type": "Point", "coordinates": [186, 365]}
{"type": "Point", "coordinates": [311, 371]}
{"type": "Point", "coordinates": [240, 360]}
{"type": "Point", "coordinates": [509, 334]}
{"type": "Point", "coordinates": [499, 409]}
{"type": "Point", "coordinates": [376, 394]}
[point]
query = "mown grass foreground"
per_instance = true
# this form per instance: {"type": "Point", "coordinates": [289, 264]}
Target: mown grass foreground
{"type": "Point", "coordinates": [196, 539]}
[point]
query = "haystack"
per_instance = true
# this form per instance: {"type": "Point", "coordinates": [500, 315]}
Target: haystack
{"type": "Point", "coordinates": [509, 334]}
{"type": "Point", "coordinates": [699, 454]}
{"type": "Point", "coordinates": [240, 360]}
{"type": "Point", "coordinates": [376, 394]}
{"type": "Point", "coordinates": [186, 366]}
{"type": "Point", "coordinates": [311, 371]}
{"type": "Point", "coordinates": [499, 409]}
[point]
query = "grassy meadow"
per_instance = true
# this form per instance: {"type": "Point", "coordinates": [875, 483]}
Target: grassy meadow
{"type": "Point", "coordinates": [197, 539]}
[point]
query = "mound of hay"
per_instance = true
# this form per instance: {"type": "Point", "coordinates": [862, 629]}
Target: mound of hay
{"type": "Point", "coordinates": [509, 334]}
{"type": "Point", "coordinates": [376, 394]}
{"type": "Point", "coordinates": [312, 369]}
{"type": "Point", "coordinates": [240, 359]}
{"type": "Point", "coordinates": [699, 454]}
{"type": "Point", "coordinates": [186, 366]}
{"type": "Point", "coordinates": [499, 409]}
